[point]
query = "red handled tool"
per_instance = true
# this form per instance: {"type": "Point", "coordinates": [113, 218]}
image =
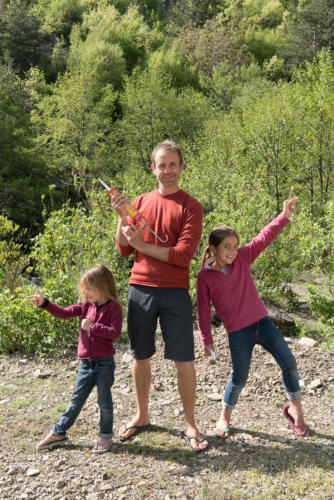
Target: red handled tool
{"type": "Point", "coordinates": [133, 212]}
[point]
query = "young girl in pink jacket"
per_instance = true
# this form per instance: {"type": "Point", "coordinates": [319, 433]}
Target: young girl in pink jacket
{"type": "Point", "coordinates": [101, 323]}
{"type": "Point", "coordinates": [225, 281]}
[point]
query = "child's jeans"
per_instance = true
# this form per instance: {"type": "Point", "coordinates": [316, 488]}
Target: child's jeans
{"type": "Point", "coordinates": [99, 372]}
{"type": "Point", "coordinates": [242, 343]}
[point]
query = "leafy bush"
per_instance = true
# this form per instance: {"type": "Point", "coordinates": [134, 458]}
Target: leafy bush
{"type": "Point", "coordinates": [12, 258]}
{"type": "Point", "coordinates": [77, 238]}
{"type": "Point", "coordinates": [29, 329]}
{"type": "Point", "coordinates": [74, 239]}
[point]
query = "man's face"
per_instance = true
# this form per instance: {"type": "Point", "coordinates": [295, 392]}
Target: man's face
{"type": "Point", "coordinates": [167, 168]}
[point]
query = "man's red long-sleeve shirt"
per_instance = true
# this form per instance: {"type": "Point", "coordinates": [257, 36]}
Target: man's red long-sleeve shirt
{"type": "Point", "coordinates": [179, 216]}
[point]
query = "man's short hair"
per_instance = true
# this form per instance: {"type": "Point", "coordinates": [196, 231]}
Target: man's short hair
{"type": "Point", "coordinates": [167, 146]}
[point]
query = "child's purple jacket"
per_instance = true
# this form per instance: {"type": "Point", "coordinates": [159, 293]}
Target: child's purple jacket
{"type": "Point", "coordinates": [234, 295]}
{"type": "Point", "coordinates": [106, 326]}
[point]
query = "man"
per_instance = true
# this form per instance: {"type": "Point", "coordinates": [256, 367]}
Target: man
{"type": "Point", "coordinates": [159, 284]}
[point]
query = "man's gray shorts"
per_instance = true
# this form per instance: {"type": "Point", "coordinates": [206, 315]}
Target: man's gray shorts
{"type": "Point", "coordinates": [173, 308]}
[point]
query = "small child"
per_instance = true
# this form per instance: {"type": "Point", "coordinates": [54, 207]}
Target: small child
{"type": "Point", "coordinates": [225, 281]}
{"type": "Point", "coordinates": [101, 322]}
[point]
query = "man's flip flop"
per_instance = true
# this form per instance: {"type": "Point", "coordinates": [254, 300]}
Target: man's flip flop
{"type": "Point", "coordinates": [50, 443]}
{"type": "Point", "coordinates": [225, 430]}
{"type": "Point", "coordinates": [299, 430]}
{"type": "Point", "coordinates": [198, 440]}
{"type": "Point", "coordinates": [137, 430]}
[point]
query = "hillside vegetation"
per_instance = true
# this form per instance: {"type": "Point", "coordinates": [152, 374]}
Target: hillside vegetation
{"type": "Point", "coordinates": [88, 87]}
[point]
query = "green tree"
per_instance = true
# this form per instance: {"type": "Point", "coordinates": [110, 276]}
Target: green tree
{"type": "Point", "coordinates": [309, 29]}
{"type": "Point", "coordinates": [129, 32]}
{"type": "Point", "coordinates": [73, 125]}
{"type": "Point", "coordinates": [22, 178]}
{"type": "Point", "coordinates": [60, 15]}
{"type": "Point", "coordinates": [12, 258]}
{"type": "Point", "coordinates": [181, 12]}
{"type": "Point", "coordinates": [212, 45]}
{"type": "Point", "coordinates": [152, 111]}
{"type": "Point", "coordinates": [20, 35]}
{"type": "Point", "coordinates": [313, 97]}
{"type": "Point", "coordinates": [259, 25]}
{"type": "Point", "coordinates": [169, 63]}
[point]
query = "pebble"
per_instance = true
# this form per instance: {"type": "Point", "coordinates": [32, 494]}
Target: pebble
{"type": "Point", "coordinates": [33, 472]}
{"type": "Point", "coordinates": [214, 396]}
{"type": "Point", "coordinates": [307, 341]}
{"type": "Point", "coordinates": [127, 358]}
{"type": "Point", "coordinates": [42, 374]}
{"type": "Point", "coordinates": [60, 484]}
{"type": "Point", "coordinates": [123, 489]}
{"type": "Point", "coordinates": [94, 496]}
{"type": "Point", "coordinates": [315, 384]}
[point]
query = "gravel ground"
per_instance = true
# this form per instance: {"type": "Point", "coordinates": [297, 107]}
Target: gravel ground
{"type": "Point", "coordinates": [262, 459]}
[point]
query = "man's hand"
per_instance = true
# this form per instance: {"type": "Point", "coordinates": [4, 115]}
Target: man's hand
{"type": "Point", "coordinates": [133, 236]}
{"type": "Point", "coordinates": [86, 323]}
{"type": "Point", "coordinates": [289, 206]}
{"type": "Point", "coordinates": [37, 300]}
{"type": "Point", "coordinates": [118, 202]}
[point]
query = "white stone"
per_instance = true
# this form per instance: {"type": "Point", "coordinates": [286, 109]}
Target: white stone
{"type": "Point", "coordinates": [307, 341]}
{"type": "Point", "coordinates": [123, 489]}
{"type": "Point", "coordinates": [315, 383]}
{"type": "Point", "coordinates": [42, 374]}
{"type": "Point", "coordinates": [127, 358]}
{"type": "Point", "coordinates": [33, 472]}
{"type": "Point", "coordinates": [215, 396]}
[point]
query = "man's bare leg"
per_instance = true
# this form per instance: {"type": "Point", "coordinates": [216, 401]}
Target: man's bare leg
{"type": "Point", "coordinates": [141, 374]}
{"type": "Point", "coordinates": [186, 380]}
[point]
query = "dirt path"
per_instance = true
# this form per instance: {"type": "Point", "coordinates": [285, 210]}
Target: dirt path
{"type": "Point", "coordinates": [262, 460]}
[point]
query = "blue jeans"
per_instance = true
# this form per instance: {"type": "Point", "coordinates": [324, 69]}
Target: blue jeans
{"type": "Point", "coordinates": [242, 343]}
{"type": "Point", "coordinates": [99, 372]}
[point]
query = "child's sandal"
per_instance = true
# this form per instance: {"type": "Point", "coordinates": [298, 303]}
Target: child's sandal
{"type": "Point", "coordinates": [222, 429]}
{"type": "Point", "coordinates": [103, 445]}
{"type": "Point", "coordinates": [50, 441]}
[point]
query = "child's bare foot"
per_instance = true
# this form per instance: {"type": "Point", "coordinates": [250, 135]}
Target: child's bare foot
{"type": "Point", "coordinates": [223, 424]}
{"type": "Point", "coordinates": [296, 421]}
{"type": "Point", "coordinates": [50, 441]}
{"type": "Point", "coordinates": [222, 429]}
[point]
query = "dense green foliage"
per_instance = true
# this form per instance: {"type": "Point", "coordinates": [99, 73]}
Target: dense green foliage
{"type": "Point", "coordinates": [88, 87]}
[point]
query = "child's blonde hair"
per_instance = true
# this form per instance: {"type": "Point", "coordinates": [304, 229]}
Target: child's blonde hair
{"type": "Point", "coordinates": [100, 278]}
{"type": "Point", "coordinates": [216, 236]}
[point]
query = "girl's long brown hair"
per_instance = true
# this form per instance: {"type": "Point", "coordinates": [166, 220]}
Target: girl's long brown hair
{"type": "Point", "coordinates": [101, 278]}
{"type": "Point", "coordinates": [216, 236]}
